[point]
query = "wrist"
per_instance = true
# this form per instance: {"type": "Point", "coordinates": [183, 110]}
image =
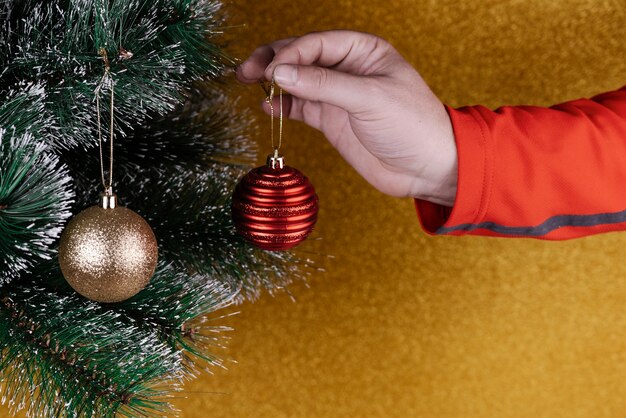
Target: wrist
{"type": "Point", "coordinates": [442, 192]}
{"type": "Point", "coordinates": [439, 184]}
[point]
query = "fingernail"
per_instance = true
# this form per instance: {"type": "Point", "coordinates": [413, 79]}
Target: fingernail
{"type": "Point", "coordinates": [286, 75]}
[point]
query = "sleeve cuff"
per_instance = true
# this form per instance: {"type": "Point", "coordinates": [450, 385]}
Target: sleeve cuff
{"type": "Point", "coordinates": [475, 176]}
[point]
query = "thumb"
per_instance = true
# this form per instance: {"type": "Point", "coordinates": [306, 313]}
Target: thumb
{"type": "Point", "coordinates": [323, 85]}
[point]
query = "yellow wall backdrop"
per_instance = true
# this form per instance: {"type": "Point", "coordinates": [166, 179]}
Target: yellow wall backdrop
{"type": "Point", "coordinates": [404, 325]}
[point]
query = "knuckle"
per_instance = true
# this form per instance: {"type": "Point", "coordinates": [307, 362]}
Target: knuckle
{"type": "Point", "coordinates": [321, 77]}
{"type": "Point", "coordinates": [375, 42]}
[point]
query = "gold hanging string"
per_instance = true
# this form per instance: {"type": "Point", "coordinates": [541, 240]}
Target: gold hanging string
{"type": "Point", "coordinates": [269, 91]}
{"type": "Point", "coordinates": [108, 186]}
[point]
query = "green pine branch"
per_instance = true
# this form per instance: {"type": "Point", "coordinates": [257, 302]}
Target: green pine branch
{"type": "Point", "coordinates": [159, 335]}
{"type": "Point", "coordinates": [23, 109]}
{"type": "Point", "coordinates": [52, 364]}
{"type": "Point", "coordinates": [35, 197]}
{"type": "Point", "coordinates": [180, 148]}
{"type": "Point", "coordinates": [155, 49]}
{"type": "Point", "coordinates": [174, 305]}
{"type": "Point", "coordinates": [207, 129]}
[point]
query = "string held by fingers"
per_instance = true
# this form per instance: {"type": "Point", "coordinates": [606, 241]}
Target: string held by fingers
{"type": "Point", "coordinates": [270, 88]}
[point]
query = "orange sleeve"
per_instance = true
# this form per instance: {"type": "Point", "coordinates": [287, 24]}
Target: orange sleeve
{"type": "Point", "coordinates": [526, 171]}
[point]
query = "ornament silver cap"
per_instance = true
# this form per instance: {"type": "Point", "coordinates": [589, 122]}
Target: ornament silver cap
{"type": "Point", "coordinates": [108, 199]}
{"type": "Point", "coordinates": [276, 160]}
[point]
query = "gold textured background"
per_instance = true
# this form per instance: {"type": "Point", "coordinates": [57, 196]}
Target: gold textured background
{"type": "Point", "coordinates": [402, 325]}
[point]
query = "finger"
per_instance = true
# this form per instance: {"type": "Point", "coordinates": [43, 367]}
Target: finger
{"type": "Point", "coordinates": [349, 92]}
{"type": "Point", "coordinates": [252, 69]}
{"type": "Point", "coordinates": [346, 50]}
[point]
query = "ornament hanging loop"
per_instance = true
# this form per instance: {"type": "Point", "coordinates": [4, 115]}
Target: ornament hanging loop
{"type": "Point", "coordinates": [106, 79]}
{"type": "Point", "coordinates": [274, 160]}
{"type": "Point", "coordinates": [108, 199]}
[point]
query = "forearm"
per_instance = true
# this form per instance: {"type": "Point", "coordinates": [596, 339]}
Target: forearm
{"type": "Point", "coordinates": [548, 173]}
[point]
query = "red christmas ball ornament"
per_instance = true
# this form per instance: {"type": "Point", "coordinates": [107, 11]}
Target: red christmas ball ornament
{"type": "Point", "coordinates": [275, 207]}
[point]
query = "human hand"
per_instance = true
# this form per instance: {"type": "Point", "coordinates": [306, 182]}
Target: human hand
{"type": "Point", "coordinates": [371, 105]}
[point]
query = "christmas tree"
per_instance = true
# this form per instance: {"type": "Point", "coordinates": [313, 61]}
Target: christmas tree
{"type": "Point", "coordinates": [180, 147]}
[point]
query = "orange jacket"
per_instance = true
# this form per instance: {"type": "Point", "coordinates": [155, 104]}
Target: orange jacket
{"type": "Point", "coordinates": [548, 173]}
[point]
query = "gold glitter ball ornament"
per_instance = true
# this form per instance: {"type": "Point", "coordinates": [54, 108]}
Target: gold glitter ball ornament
{"type": "Point", "coordinates": [108, 253]}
